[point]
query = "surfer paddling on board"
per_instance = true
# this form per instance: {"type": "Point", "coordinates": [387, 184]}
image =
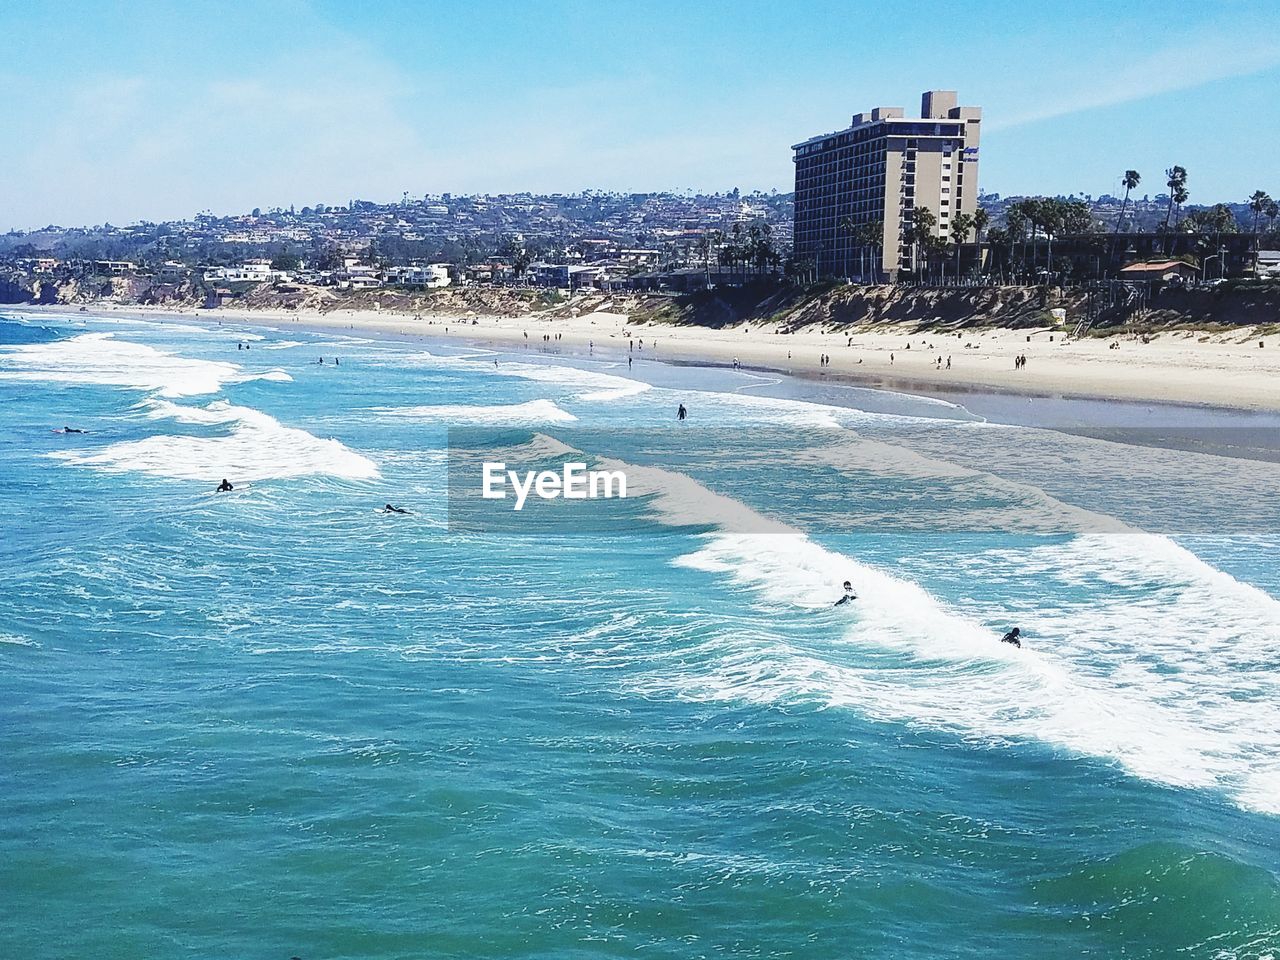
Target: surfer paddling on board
{"type": "Point", "coordinates": [1014, 636]}
{"type": "Point", "coordinates": [849, 595]}
{"type": "Point", "coordinates": [390, 509]}
{"type": "Point", "coordinates": [225, 486]}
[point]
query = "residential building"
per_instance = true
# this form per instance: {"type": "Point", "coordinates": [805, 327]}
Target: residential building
{"type": "Point", "coordinates": [251, 271]}
{"type": "Point", "coordinates": [1163, 270]}
{"type": "Point", "coordinates": [872, 175]}
{"type": "Point", "coordinates": [432, 275]}
{"type": "Point", "coordinates": [171, 272]}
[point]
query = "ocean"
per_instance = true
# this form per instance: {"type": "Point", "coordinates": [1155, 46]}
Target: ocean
{"type": "Point", "coordinates": [279, 722]}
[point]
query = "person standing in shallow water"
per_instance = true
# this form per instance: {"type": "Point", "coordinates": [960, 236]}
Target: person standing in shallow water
{"type": "Point", "coordinates": [681, 412]}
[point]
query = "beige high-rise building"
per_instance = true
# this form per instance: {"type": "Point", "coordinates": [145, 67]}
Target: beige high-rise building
{"type": "Point", "coordinates": [877, 171]}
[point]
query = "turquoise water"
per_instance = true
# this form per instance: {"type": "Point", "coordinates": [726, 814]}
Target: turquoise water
{"type": "Point", "coordinates": [278, 723]}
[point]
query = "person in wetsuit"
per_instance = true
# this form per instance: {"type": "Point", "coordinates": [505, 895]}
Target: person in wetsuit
{"type": "Point", "coordinates": [225, 486]}
{"type": "Point", "coordinates": [849, 595]}
{"type": "Point", "coordinates": [681, 412]}
{"type": "Point", "coordinates": [72, 430]}
{"type": "Point", "coordinates": [390, 509]}
{"type": "Point", "coordinates": [1014, 637]}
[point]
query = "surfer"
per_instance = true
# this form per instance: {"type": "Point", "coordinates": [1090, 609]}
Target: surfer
{"type": "Point", "coordinates": [225, 486]}
{"type": "Point", "coordinates": [848, 595]}
{"type": "Point", "coordinates": [72, 430]}
{"type": "Point", "coordinates": [1013, 636]}
{"type": "Point", "coordinates": [681, 412]}
{"type": "Point", "coordinates": [390, 509]}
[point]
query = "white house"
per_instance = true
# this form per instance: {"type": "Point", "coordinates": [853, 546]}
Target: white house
{"type": "Point", "coordinates": [432, 275]}
{"type": "Point", "coordinates": [1268, 263]}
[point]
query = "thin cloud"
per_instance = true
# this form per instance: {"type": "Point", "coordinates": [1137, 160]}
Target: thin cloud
{"type": "Point", "coordinates": [1179, 67]}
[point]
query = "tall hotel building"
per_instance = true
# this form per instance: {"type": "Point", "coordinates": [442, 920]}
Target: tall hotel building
{"type": "Point", "coordinates": [876, 171]}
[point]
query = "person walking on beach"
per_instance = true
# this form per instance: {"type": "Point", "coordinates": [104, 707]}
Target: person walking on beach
{"type": "Point", "coordinates": [948, 363]}
{"type": "Point", "coordinates": [628, 363]}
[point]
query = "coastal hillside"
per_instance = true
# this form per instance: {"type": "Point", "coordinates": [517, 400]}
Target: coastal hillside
{"type": "Point", "coordinates": [1235, 303]}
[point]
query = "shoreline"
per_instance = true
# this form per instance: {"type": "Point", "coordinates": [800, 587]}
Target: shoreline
{"type": "Point", "coordinates": [1222, 371]}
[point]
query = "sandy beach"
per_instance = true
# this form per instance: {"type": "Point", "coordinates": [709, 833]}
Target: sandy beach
{"type": "Point", "coordinates": [1237, 369]}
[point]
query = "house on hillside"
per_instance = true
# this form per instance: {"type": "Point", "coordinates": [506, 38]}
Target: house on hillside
{"type": "Point", "coordinates": [1161, 270]}
{"type": "Point", "coordinates": [171, 272]}
{"type": "Point", "coordinates": [431, 276]}
{"type": "Point", "coordinates": [1268, 265]}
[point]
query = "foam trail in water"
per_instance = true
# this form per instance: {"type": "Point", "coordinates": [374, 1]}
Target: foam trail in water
{"type": "Point", "coordinates": [1142, 619]}
{"type": "Point", "coordinates": [515, 414]}
{"type": "Point", "coordinates": [254, 447]}
{"type": "Point", "coordinates": [99, 358]}
{"type": "Point", "coordinates": [1185, 719]}
{"type": "Point", "coordinates": [587, 385]}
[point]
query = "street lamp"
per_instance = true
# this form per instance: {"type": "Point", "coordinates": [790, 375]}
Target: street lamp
{"type": "Point", "coordinates": [1204, 266]}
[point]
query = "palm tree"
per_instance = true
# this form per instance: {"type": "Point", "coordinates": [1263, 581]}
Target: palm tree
{"type": "Point", "coordinates": [1257, 203]}
{"type": "Point", "coordinates": [1177, 181]}
{"type": "Point", "coordinates": [847, 227]}
{"type": "Point", "coordinates": [960, 227]}
{"type": "Point", "coordinates": [922, 224]}
{"type": "Point", "coordinates": [1272, 211]}
{"type": "Point", "coordinates": [1130, 180]}
{"type": "Point", "coordinates": [872, 240]}
{"type": "Point", "coordinates": [981, 220]}
{"type": "Point", "coordinates": [1180, 196]}
{"type": "Point", "coordinates": [1016, 222]}
{"type": "Point", "coordinates": [738, 245]}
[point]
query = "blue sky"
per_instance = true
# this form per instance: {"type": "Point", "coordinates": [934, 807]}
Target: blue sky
{"type": "Point", "coordinates": [144, 110]}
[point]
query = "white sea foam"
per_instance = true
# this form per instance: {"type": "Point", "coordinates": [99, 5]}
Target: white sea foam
{"type": "Point", "coordinates": [587, 385]}
{"type": "Point", "coordinates": [1175, 682]}
{"type": "Point", "coordinates": [515, 414]}
{"type": "Point", "coordinates": [737, 409]}
{"type": "Point", "coordinates": [100, 358]}
{"type": "Point", "coordinates": [253, 446]}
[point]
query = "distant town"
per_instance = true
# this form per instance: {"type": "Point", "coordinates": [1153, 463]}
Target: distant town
{"type": "Point", "coordinates": [889, 199]}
